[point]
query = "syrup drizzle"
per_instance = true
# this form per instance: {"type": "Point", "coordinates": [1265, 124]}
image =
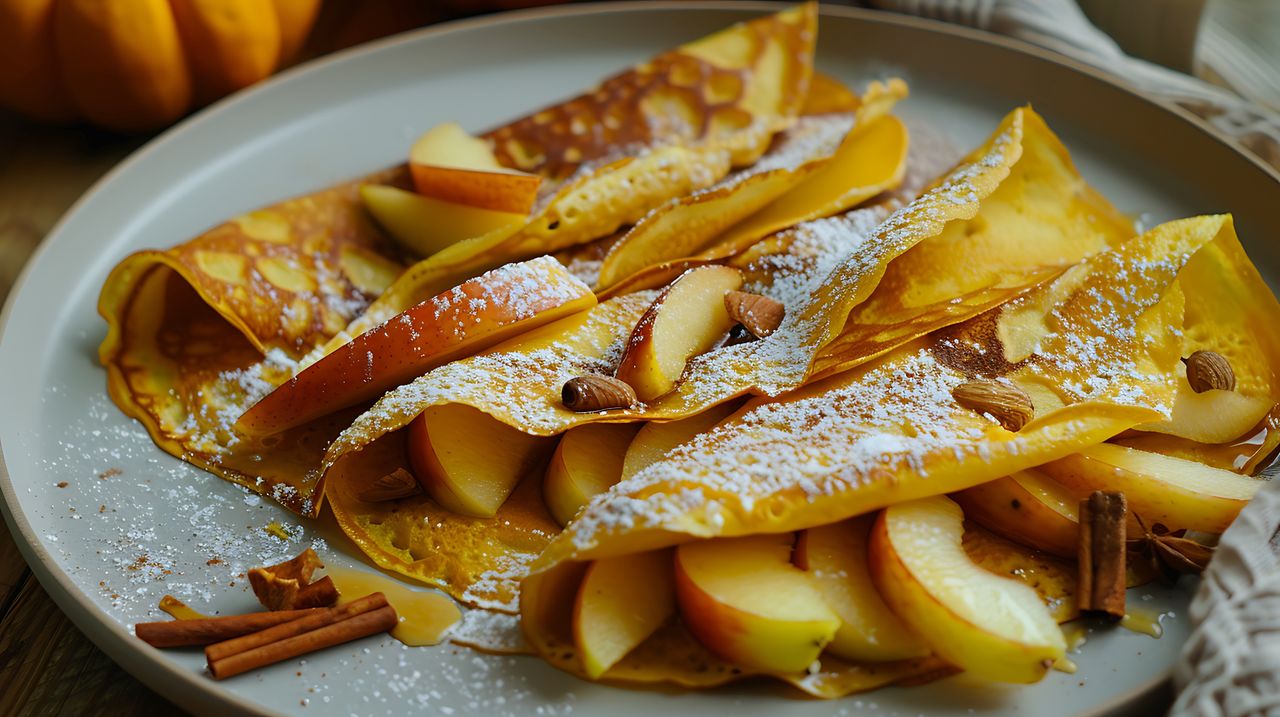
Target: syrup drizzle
{"type": "Point", "coordinates": [425, 615]}
{"type": "Point", "coordinates": [178, 610]}
{"type": "Point", "coordinates": [1145, 622]}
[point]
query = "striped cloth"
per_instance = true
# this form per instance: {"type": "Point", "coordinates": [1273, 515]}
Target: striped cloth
{"type": "Point", "coordinates": [1061, 25]}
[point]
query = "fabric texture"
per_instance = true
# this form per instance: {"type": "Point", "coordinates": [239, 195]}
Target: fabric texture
{"type": "Point", "coordinates": [1061, 26]}
{"type": "Point", "coordinates": [1230, 667]}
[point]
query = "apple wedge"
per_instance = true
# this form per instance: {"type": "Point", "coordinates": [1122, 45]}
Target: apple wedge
{"type": "Point", "coordinates": [655, 440]}
{"type": "Point", "coordinates": [621, 602]}
{"type": "Point", "coordinates": [449, 164]}
{"type": "Point", "coordinates": [1214, 416]}
{"type": "Point", "coordinates": [468, 461]}
{"type": "Point", "coordinates": [474, 315]}
{"type": "Point", "coordinates": [687, 318]}
{"type": "Point", "coordinates": [1027, 507]}
{"type": "Point", "coordinates": [1160, 489]}
{"type": "Point", "coordinates": [500, 191]}
{"type": "Point", "coordinates": [990, 625]}
{"type": "Point", "coordinates": [425, 225]}
{"type": "Point", "coordinates": [836, 557]}
{"type": "Point", "coordinates": [449, 145]}
{"type": "Point", "coordinates": [587, 461]}
{"type": "Point", "coordinates": [745, 601]}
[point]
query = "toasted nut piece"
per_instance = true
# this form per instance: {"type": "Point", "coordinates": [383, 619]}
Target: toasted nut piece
{"type": "Point", "coordinates": [758, 314]}
{"type": "Point", "coordinates": [596, 393]}
{"type": "Point", "coordinates": [400, 483]}
{"type": "Point", "coordinates": [1208, 370]}
{"type": "Point", "coordinates": [1008, 404]}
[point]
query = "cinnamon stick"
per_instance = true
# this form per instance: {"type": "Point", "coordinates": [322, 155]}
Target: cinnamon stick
{"type": "Point", "coordinates": [208, 630]}
{"type": "Point", "coordinates": [1102, 553]}
{"type": "Point", "coordinates": [360, 618]}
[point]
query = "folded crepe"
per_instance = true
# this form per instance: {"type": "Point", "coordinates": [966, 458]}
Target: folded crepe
{"type": "Point", "coordinates": [199, 332]}
{"type": "Point", "coordinates": [1097, 349]}
{"type": "Point", "coordinates": [821, 270]}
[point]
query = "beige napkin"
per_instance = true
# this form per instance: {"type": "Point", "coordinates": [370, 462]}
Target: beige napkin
{"type": "Point", "coordinates": [1231, 664]}
{"type": "Point", "coordinates": [1061, 25]}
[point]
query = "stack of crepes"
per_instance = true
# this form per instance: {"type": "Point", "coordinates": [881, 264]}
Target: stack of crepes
{"type": "Point", "coordinates": [731, 151]}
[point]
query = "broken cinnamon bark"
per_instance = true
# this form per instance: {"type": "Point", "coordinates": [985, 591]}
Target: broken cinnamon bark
{"type": "Point", "coordinates": [1102, 553]}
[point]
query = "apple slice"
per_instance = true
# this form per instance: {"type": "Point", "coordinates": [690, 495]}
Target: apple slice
{"type": "Point", "coordinates": [449, 145]}
{"type": "Point", "coordinates": [476, 314]}
{"type": "Point", "coordinates": [990, 625]}
{"type": "Point", "coordinates": [655, 440]}
{"type": "Point", "coordinates": [745, 601]}
{"type": "Point", "coordinates": [1160, 489]}
{"type": "Point", "coordinates": [836, 557]}
{"type": "Point", "coordinates": [425, 225]}
{"type": "Point", "coordinates": [688, 318]}
{"type": "Point", "coordinates": [587, 461]}
{"type": "Point", "coordinates": [1027, 507]}
{"type": "Point", "coordinates": [468, 461]}
{"type": "Point", "coordinates": [621, 602]}
{"type": "Point", "coordinates": [1214, 416]}
{"type": "Point", "coordinates": [500, 191]}
{"type": "Point", "coordinates": [451, 165]}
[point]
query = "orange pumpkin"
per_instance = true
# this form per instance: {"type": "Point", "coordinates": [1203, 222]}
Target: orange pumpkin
{"type": "Point", "coordinates": [140, 64]}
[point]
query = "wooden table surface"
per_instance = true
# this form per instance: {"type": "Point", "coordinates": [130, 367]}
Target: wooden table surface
{"type": "Point", "coordinates": [47, 666]}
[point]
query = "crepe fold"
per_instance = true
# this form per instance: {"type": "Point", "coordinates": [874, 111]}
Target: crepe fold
{"type": "Point", "coordinates": [1097, 349]}
{"type": "Point", "coordinates": [199, 332]}
{"type": "Point", "coordinates": [822, 270]}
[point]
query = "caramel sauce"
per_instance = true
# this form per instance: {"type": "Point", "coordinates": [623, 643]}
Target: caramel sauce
{"type": "Point", "coordinates": [1145, 622]}
{"type": "Point", "coordinates": [425, 615]}
{"type": "Point", "coordinates": [276, 530]}
{"type": "Point", "coordinates": [1065, 664]}
{"type": "Point", "coordinates": [178, 609]}
{"type": "Point", "coordinates": [1075, 633]}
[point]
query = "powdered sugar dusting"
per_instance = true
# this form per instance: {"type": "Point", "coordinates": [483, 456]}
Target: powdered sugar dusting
{"type": "Point", "coordinates": [490, 631]}
{"type": "Point", "coordinates": [860, 436]}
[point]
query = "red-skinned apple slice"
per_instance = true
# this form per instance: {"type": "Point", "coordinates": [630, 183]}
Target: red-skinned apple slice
{"type": "Point", "coordinates": [622, 602]}
{"type": "Point", "coordinates": [472, 316]}
{"type": "Point", "coordinates": [1160, 489]}
{"type": "Point", "coordinates": [502, 190]}
{"type": "Point", "coordinates": [587, 461]}
{"type": "Point", "coordinates": [836, 557]}
{"type": "Point", "coordinates": [991, 625]}
{"type": "Point", "coordinates": [687, 318]}
{"type": "Point", "coordinates": [745, 601]}
{"type": "Point", "coordinates": [468, 461]}
{"type": "Point", "coordinates": [451, 165]}
{"type": "Point", "coordinates": [1027, 507]}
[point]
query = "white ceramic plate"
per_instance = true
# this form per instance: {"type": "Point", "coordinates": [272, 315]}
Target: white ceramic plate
{"type": "Point", "coordinates": [106, 548]}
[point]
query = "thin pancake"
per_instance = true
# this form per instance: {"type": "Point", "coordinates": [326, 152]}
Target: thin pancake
{"type": "Point", "coordinates": [187, 329]}
{"type": "Point", "coordinates": [891, 431]}
{"type": "Point", "coordinates": [305, 275]}
{"type": "Point", "coordinates": [683, 120]}
{"type": "Point", "coordinates": [822, 267]}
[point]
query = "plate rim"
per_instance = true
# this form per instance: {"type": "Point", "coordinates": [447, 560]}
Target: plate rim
{"type": "Point", "coordinates": [194, 691]}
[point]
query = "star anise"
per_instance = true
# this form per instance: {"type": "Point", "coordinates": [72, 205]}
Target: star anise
{"type": "Point", "coordinates": [1170, 552]}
